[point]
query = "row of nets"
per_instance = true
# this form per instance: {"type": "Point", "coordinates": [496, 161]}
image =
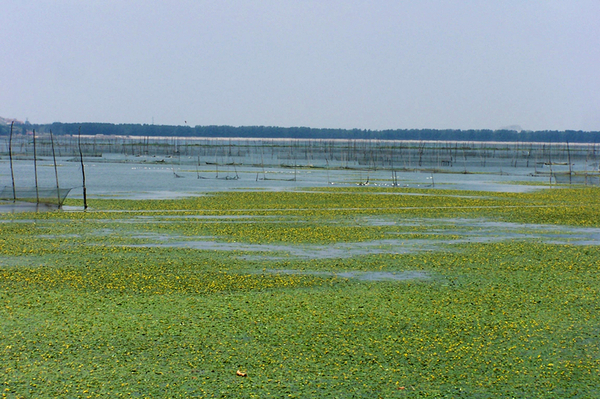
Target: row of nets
{"type": "Point", "coordinates": [55, 196]}
{"type": "Point", "coordinates": [577, 178]}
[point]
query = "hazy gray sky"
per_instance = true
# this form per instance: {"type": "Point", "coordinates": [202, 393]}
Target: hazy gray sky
{"type": "Point", "coordinates": [331, 63]}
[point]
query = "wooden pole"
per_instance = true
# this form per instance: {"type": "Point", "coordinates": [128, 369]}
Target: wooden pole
{"type": "Point", "coordinates": [37, 190]}
{"type": "Point", "coordinates": [569, 160]}
{"type": "Point", "coordinates": [82, 169]}
{"type": "Point", "coordinates": [55, 171]}
{"type": "Point", "coordinates": [12, 174]}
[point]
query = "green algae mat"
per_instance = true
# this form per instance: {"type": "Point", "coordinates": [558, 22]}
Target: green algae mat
{"type": "Point", "coordinates": [347, 293]}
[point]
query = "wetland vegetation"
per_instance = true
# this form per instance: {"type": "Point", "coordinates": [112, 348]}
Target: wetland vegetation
{"type": "Point", "coordinates": [129, 300]}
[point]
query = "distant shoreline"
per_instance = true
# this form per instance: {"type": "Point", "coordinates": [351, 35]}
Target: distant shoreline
{"type": "Point", "coordinates": [90, 129]}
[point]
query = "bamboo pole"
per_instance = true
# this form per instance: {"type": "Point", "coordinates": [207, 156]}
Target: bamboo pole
{"type": "Point", "coordinates": [55, 172]}
{"type": "Point", "coordinates": [37, 190]}
{"type": "Point", "coordinates": [569, 160]}
{"type": "Point", "coordinates": [82, 169]}
{"type": "Point", "coordinates": [12, 174]}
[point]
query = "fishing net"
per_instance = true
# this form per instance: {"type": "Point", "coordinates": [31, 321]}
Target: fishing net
{"type": "Point", "coordinates": [42, 195]}
{"type": "Point", "coordinates": [577, 178]}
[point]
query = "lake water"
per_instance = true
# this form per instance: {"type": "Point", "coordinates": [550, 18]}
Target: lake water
{"type": "Point", "coordinates": [174, 167]}
{"type": "Point", "coordinates": [157, 181]}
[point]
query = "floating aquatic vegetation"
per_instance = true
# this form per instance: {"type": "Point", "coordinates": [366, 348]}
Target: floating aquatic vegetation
{"type": "Point", "coordinates": [91, 308]}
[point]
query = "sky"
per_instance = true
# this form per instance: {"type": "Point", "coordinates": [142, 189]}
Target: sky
{"type": "Point", "coordinates": [378, 64]}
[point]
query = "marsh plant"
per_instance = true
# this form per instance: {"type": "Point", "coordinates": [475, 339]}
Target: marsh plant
{"type": "Point", "coordinates": [116, 301]}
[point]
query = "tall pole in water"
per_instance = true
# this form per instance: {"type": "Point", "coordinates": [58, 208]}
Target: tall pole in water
{"type": "Point", "coordinates": [12, 174]}
{"type": "Point", "coordinates": [55, 171]}
{"type": "Point", "coordinates": [37, 190]}
{"type": "Point", "coordinates": [569, 160]}
{"type": "Point", "coordinates": [82, 169]}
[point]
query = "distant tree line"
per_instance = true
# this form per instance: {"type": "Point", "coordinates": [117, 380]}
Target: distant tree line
{"type": "Point", "coordinates": [269, 132]}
